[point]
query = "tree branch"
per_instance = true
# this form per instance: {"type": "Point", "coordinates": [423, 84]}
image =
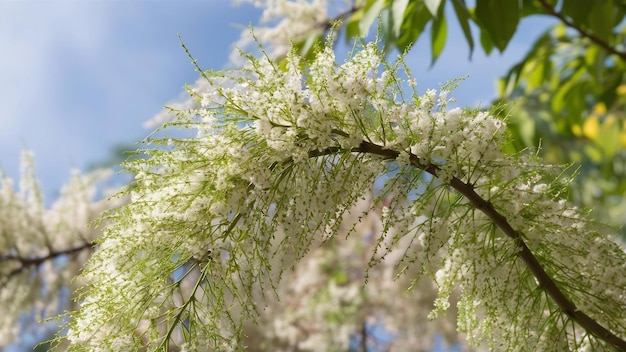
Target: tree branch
{"type": "Point", "coordinates": [26, 262]}
{"type": "Point", "coordinates": [328, 24]}
{"type": "Point", "coordinates": [546, 283]}
{"type": "Point", "coordinates": [554, 13]}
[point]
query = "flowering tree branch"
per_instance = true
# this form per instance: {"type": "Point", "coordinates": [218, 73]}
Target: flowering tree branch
{"type": "Point", "coordinates": [27, 262]}
{"type": "Point", "coordinates": [544, 280]}
{"type": "Point", "coordinates": [280, 158]}
{"type": "Point", "coordinates": [42, 248]}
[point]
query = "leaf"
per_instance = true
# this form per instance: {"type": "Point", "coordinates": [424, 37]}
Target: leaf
{"type": "Point", "coordinates": [353, 25]}
{"type": "Point", "coordinates": [439, 34]}
{"type": "Point", "coordinates": [537, 70]}
{"type": "Point", "coordinates": [569, 97]}
{"type": "Point", "coordinates": [433, 6]}
{"type": "Point", "coordinates": [539, 54]}
{"type": "Point", "coordinates": [609, 137]}
{"type": "Point", "coordinates": [308, 45]}
{"type": "Point", "coordinates": [463, 15]}
{"type": "Point", "coordinates": [415, 19]}
{"type": "Point", "coordinates": [530, 8]}
{"type": "Point", "coordinates": [486, 42]}
{"type": "Point", "coordinates": [601, 19]}
{"type": "Point", "coordinates": [577, 10]}
{"type": "Point", "coordinates": [371, 11]}
{"type": "Point", "coordinates": [499, 18]}
{"type": "Point", "coordinates": [398, 8]}
{"type": "Point", "coordinates": [304, 47]}
{"type": "Point", "coordinates": [385, 27]}
{"type": "Point", "coordinates": [591, 127]}
{"type": "Point", "coordinates": [593, 152]}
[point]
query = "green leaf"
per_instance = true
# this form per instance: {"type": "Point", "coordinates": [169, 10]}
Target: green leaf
{"type": "Point", "coordinates": [569, 99]}
{"type": "Point", "coordinates": [594, 153]}
{"type": "Point", "coordinates": [371, 11]}
{"type": "Point", "coordinates": [499, 18]}
{"type": "Point", "coordinates": [537, 69]}
{"type": "Point", "coordinates": [578, 10]}
{"type": "Point", "coordinates": [416, 18]}
{"type": "Point", "coordinates": [601, 19]}
{"type": "Point", "coordinates": [439, 34]}
{"type": "Point", "coordinates": [433, 6]}
{"type": "Point", "coordinates": [609, 141]}
{"type": "Point", "coordinates": [307, 47]}
{"type": "Point", "coordinates": [463, 15]}
{"type": "Point", "coordinates": [508, 83]}
{"type": "Point", "coordinates": [530, 8]}
{"type": "Point", "coordinates": [304, 47]}
{"type": "Point", "coordinates": [385, 27]}
{"type": "Point", "coordinates": [353, 25]}
{"type": "Point", "coordinates": [486, 42]}
{"type": "Point", "coordinates": [539, 54]}
{"type": "Point", "coordinates": [398, 9]}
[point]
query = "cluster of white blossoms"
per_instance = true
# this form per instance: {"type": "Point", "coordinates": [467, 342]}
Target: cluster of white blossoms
{"type": "Point", "coordinates": [325, 306]}
{"type": "Point", "coordinates": [41, 249]}
{"type": "Point", "coordinates": [282, 154]}
{"type": "Point", "coordinates": [283, 21]}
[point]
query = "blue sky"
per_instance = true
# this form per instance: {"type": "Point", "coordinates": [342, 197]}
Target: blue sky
{"type": "Point", "coordinates": [78, 77]}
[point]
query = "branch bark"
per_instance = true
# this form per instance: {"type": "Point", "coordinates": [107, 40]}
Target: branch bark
{"type": "Point", "coordinates": [26, 262]}
{"type": "Point", "coordinates": [546, 283]}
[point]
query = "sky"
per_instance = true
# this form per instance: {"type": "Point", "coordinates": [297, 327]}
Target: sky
{"type": "Point", "coordinates": [78, 78]}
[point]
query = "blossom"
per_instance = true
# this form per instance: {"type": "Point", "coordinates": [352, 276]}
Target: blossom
{"type": "Point", "coordinates": [280, 160]}
{"type": "Point", "coordinates": [42, 248]}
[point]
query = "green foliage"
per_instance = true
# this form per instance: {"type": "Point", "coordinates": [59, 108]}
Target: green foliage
{"type": "Point", "coordinates": [499, 19]}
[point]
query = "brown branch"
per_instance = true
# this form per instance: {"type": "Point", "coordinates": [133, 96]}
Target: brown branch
{"type": "Point", "coordinates": [27, 262]}
{"type": "Point", "coordinates": [328, 24]}
{"type": "Point", "coordinates": [546, 283]}
{"type": "Point", "coordinates": [600, 42]}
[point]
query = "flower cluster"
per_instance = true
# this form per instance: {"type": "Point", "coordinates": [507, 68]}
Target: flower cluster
{"type": "Point", "coordinates": [42, 250]}
{"type": "Point", "coordinates": [282, 155]}
{"type": "Point", "coordinates": [287, 21]}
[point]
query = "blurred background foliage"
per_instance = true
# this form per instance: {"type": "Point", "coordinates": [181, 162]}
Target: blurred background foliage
{"type": "Point", "coordinates": [566, 98]}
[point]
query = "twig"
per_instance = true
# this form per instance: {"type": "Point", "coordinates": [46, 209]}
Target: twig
{"type": "Point", "coordinates": [546, 283]}
{"type": "Point", "coordinates": [554, 13]}
{"type": "Point", "coordinates": [26, 262]}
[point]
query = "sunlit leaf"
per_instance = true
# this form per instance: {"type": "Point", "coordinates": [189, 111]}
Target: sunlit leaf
{"type": "Point", "coordinates": [539, 54]}
{"type": "Point", "coordinates": [438, 36]}
{"type": "Point", "coordinates": [591, 127]}
{"type": "Point", "coordinates": [463, 16]}
{"type": "Point", "coordinates": [385, 26]}
{"type": "Point", "coordinates": [567, 98]}
{"type": "Point", "coordinates": [398, 8]}
{"type": "Point", "coordinates": [609, 140]}
{"type": "Point", "coordinates": [599, 108]}
{"type": "Point", "coordinates": [416, 18]}
{"type": "Point", "coordinates": [433, 6]}
{"type": "Point", "coordinates": [371, 11]}
{"type": "Point", "coordinates": [353, 24]}
{"type": "Point", "coordinates": [486, 42]}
